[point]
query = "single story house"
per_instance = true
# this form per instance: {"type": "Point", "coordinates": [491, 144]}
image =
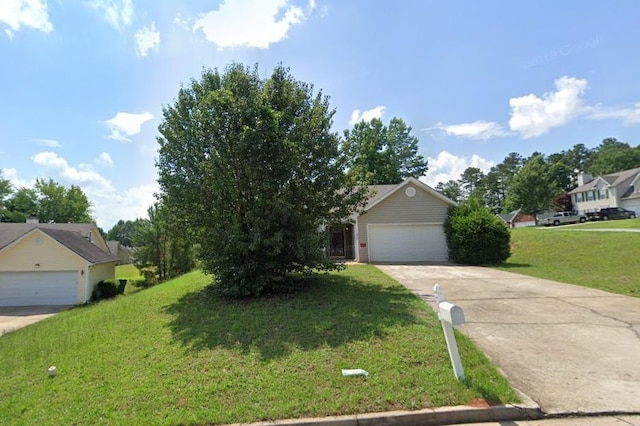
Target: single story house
{"type": "Point", "coordinates": [517, 219]}
{"type": "Point", "coordinates": [51, 263]}
{"type": "Point", "coordinates": [400, 223]}
{"type": "Point", "coordinates": [621, 189]}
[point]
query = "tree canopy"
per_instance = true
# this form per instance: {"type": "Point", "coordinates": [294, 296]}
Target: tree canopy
{"type": "Point", "coordinates": [540, 182]}
{"type": "Point", "coordinates": [379, 154]}
{"type": "Point", "coordinates": [49, 201]}
{"type": "Point", "coordinates": [253, 169]}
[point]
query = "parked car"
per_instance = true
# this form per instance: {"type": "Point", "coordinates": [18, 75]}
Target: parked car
{"type": "Point", "coordinates": [612, 213]}
{"type": "Point", "coordinates": [565, 217]}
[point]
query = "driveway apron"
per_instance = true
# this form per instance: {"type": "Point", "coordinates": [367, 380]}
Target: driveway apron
{"type": "Point", "coordinates": [17, 317]}
{"type": "Point", "coordinates": [571, 349]}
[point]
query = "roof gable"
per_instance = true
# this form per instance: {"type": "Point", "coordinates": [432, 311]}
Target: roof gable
{"type": "Point", "coordinates": [385, 191]}
{"type": "Point", "coordinates": [11, 233]}
{"type": "Point", "coordinates": [621, 180]}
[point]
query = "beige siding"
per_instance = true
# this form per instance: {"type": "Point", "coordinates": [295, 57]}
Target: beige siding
{"type": "Point", "coordinates": [423, 208]}
{"type": "Point", "coordinates": [39, 252]}
{"type": "Point", "coordinates": [104, 271]}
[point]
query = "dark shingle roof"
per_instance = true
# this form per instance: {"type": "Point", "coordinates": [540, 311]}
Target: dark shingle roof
{"type": "Point", "coordinates": [80, 245]}
{"type": "Point", "coordinates": [68, 234]}
{"type": "Point", "coordinates": [621, 179]}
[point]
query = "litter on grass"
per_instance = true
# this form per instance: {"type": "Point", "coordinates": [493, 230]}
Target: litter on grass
{"type": "Point", "coordinates": [355, 372]}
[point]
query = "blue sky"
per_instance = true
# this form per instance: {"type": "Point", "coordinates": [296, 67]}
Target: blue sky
{"type": "Point", "coordinates": [83, 82]}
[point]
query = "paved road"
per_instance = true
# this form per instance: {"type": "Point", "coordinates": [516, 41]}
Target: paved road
{"type": "Point", "coordinates": [15, 318]}
{"type": "Point", "coordinates": [571, 349]}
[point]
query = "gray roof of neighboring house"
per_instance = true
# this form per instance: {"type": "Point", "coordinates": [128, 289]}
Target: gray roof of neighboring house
{"type": "Point", "coordinates": [378, 191]}
{"type": "Point", "coordinates": [508, 217]}
{"type": "Point", "coordinates": [621, 179]}
{"type": "Point", "coordinates": [68, 234]}
{"type": "Point", "coordinates": [80, 245]}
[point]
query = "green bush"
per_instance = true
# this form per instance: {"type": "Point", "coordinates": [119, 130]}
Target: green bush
{"type": "Point", "coordinates": [106, 289]}
{"type": "Point", "coordinates": [150, 276]}
{"type": "Point", "coordinates": [475, 235]}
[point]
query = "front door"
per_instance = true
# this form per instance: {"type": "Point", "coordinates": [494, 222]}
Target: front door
{"type": "Point", "coordinates": [336, 245]}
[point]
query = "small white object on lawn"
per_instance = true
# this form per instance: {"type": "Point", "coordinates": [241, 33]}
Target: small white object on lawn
{"type": "Point", "coordinates": [355, 372]}
{"type": "Point", "coordinates": [52, 371]}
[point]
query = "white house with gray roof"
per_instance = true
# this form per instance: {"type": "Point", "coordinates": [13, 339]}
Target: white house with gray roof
{"type": "Point", "coordinates": [621, 189]}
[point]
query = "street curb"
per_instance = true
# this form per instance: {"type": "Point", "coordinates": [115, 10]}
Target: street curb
{"type": "Point", "coordinates": [425, 417]}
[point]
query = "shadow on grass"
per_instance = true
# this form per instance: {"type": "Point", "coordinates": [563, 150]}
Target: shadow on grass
{"type": "Point", "coordinates": [331, 310]}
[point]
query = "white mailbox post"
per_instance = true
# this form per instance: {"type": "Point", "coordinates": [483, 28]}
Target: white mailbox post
{"type": "Point", "coordinates": [450, 315]}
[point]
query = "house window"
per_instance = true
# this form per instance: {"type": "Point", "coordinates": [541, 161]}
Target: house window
{"type": "Point", "coordinates": [590, 195]}
{"type": "Point", "coordinates": [603, 194]}
{"type": "Point", "coordinates": [580, 197]}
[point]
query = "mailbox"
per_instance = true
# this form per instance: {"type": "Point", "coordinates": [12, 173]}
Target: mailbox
{"type": "Point", "coordinates": [451, 313]}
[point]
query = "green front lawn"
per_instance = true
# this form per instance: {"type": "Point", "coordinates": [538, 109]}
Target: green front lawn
{"type": "Point", "coordinates": [619, 224]}
{"type": "Point", "coordinates": [602, 260]}
{"type": "Point", "coordinates": [177, 354]}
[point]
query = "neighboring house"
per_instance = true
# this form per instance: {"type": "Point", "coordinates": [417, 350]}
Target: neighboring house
{"type": "Point", "coordinates": [51, 263]}
{"type": "Point", "coordinates": [401, 223]}
{"type": "Point", "coordinates": [517, 219]}
{"type": "Point", "coordinates": [120, 251]}
{"type": "Point", "coordinates": [620, 189]}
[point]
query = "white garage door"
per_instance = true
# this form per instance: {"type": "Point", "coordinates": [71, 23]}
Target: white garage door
{"type": "Point", "coordinates": [632, 205]}
{"type": "Point", "coordinates": [38, 288]}
{"type": "Point", "coordinates": [407, 243]}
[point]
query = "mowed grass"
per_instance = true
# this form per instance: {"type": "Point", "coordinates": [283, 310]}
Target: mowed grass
{"type": "Point", "coordinates": [599, 259]}
{"type": "Point", "coordinates": [135, 280]}
{"type": "Point", "coordinates": [609, 224]}
{"type": "Point", "coordinates": [177, 354]}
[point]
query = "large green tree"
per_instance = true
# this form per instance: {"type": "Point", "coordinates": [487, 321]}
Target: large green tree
{"type": "Point", "coordinates": [252, 167]}
{"type": "Point", "coordinates": [613, 156]}
{"type": "Point", "coordinates": [379, 154]}
{"type": "Point", "coordinates": [532, 188]}
{"type": "Point", "coordinates": [49, 201]}
{"type": "Point", "coordinates": [123, 232]}
{"type": "Point", "coordinates": [450, 189]}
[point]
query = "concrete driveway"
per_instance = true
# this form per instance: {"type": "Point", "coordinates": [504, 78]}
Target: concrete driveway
{"type": "Point", "coordinates": [569, 348]}
{"type": "Point", "coordinates": [18, 317]}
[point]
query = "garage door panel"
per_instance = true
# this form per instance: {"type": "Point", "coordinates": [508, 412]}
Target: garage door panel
{"type": "Point", "coordinates": [38, 288]}
{"type": "Point", "coordinates": [407, 243]}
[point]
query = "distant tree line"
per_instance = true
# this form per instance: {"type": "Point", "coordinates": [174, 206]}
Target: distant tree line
{"type": "Point", "coordinates": [160, 242]}
{"type": "Point", "coordinates": [48, 200]}
{"type": "Point", "coordinates": [539, 182]}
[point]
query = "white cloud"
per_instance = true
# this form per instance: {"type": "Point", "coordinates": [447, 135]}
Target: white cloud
{"type": "Point", "coordinates": [533, 116]}
{"type": "Point", "coordinates": [119, 13]}
{"type": "Point", "coordinates": [12, 176]}
{"type": "Point", "coordinates": [147, 38]}
{"type": "Point", "coordinates": [447, 166]}
{"type": "Point", "coordinates": [358, 116]}
{"type": "Point", "coordinates": [104, 160]}
{"type": "Point", "coordinates": [81, 176]}
{"type": "Point", "coordinates": [108, 204]}
{"type": "Point", "coordinates": [477, 130]}
{"type": "Point", "coordinates": [50, 143]}
{"type": "Point", "coordinates": [628, 115]}
{"type": "Point", "coordinates": [25, 13]}
{"type": "Point", "coordinates": [127, 124]}
{"type": "Point", "coordinates": [250, 23]}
